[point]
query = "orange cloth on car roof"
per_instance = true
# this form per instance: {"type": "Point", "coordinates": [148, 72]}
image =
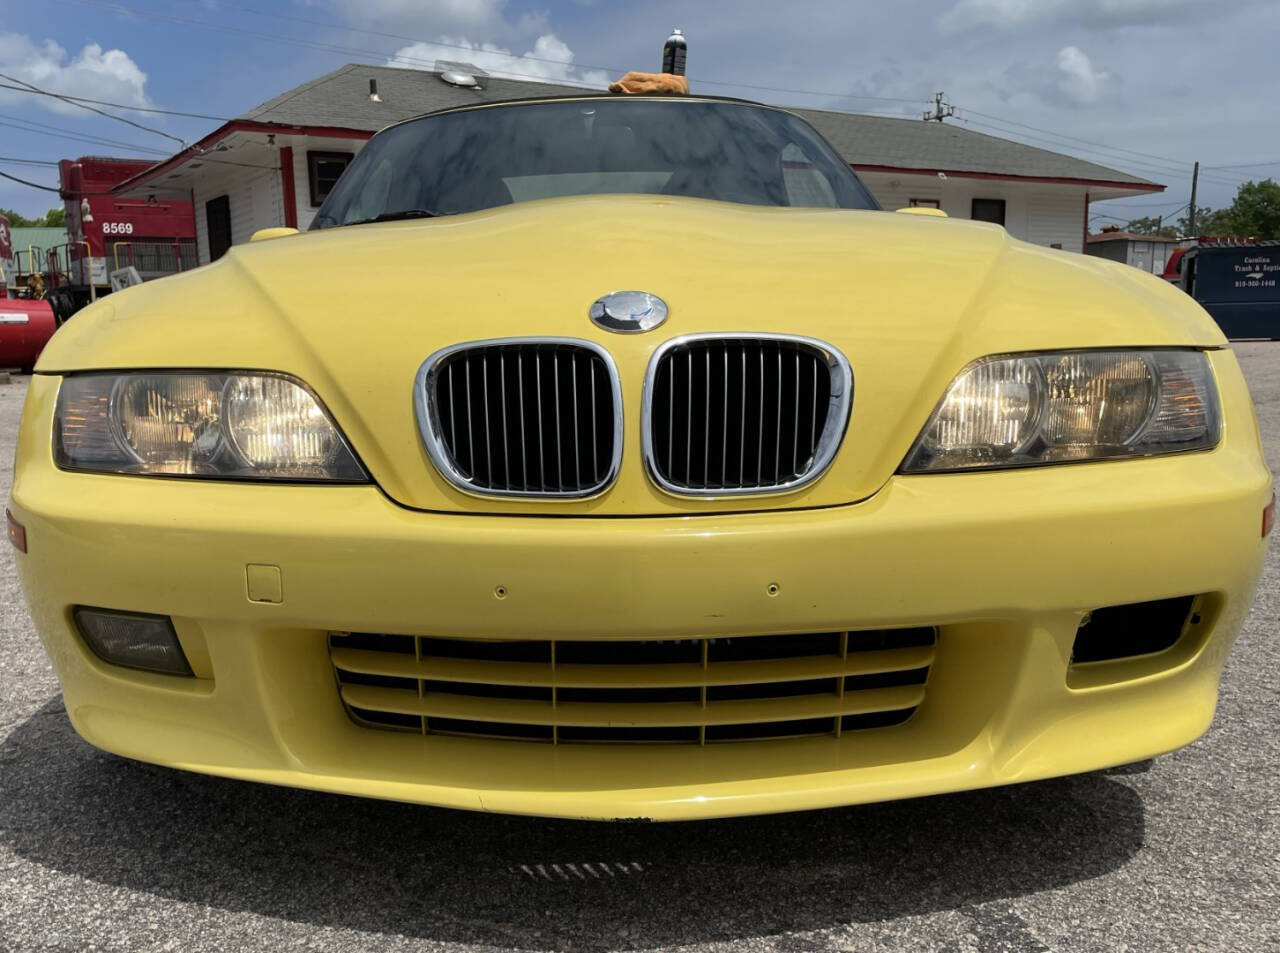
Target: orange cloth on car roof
{"type": "Point", "coordinates": [635, 82]}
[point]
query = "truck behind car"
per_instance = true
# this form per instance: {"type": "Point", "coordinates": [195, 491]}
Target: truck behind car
{"type": "Point", "coordinates": [1237, 281]}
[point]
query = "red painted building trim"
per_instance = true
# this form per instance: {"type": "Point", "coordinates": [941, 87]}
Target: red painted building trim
{"type": "Point", "coordinates": [236, 125]}
{"type": "Point", "coordinates": [206, 226]}
{"type": "Point", "coordinates": [286, 187]}
{"type": "Point", "coordinates": [1002, 177]}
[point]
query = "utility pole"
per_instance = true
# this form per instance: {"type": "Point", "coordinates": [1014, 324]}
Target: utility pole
{"type": "Point", "coordinates": [941, 109]}
{"type": "Point", "coordinates": [1191, 213]}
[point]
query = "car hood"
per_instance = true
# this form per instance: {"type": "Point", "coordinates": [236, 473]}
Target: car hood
{"type": "Point", "coordinates": [355, 311]}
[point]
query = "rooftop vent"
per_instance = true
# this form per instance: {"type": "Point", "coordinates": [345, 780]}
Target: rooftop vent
{"type": "Point", "coordinates": [461, 75]}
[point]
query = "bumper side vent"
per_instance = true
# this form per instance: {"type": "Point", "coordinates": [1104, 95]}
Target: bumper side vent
{"type": "Point", "coordinates": [1128, 631]}
{"type": "Point", "coordinates": [674, 691]}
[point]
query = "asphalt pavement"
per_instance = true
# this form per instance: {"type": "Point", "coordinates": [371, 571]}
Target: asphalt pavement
{"type": "Point", "coordinates": [1182, 853]}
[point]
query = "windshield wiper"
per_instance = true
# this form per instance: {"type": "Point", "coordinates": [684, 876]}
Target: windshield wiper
{"type": "Point", "coordinates": [397, 216]}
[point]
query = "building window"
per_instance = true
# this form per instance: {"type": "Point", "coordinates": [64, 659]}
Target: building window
{"type": "Point", "coordinates": [988, 210]}
{"type": "Point", "coordinates": [925, 203]}
{"type": "Point", "coordinates": [323, 171]}
{"type": "Point", "coordinates": [217, 215]}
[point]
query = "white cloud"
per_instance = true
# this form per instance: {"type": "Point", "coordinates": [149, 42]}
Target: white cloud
{"type": "Point", "coordinates": [550, 60]}
{"type": "Point", "coordinates": [1005, 14]}
{"type": "Point", "coordinates": [95, 73]}
{"type": "Point", "coordinates": [1078, 81]}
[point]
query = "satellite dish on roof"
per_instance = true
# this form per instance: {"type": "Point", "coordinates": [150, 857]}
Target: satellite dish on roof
{"type": "Point", "coordinates": [461, 75]}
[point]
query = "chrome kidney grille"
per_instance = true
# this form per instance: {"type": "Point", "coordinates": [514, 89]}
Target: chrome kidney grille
{"type": "Point", "coordinates": [536, 417]}
{"type": "Point", "coordinates": [690, 691]}
{"type": "Point", "coordinates": [733, 414]}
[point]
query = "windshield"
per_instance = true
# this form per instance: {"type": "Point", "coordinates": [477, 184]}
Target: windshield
{"type": "Point", "coordinates": [480, 158]}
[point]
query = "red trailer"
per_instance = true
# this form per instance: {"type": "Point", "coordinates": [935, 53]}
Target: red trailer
{"type": "Point", "coordinates": [107, 232]}
{"type": "Point", "coordinates": [7, 265]}
{"type": "Point", "coordinates": [26, 323]}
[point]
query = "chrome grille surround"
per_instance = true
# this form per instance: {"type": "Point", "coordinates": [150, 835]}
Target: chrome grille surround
{"type": "Point", "coordinates": [838, 402]}
{"type": "Point", "coordinates": [427, 406]}
{"type": "Point", "coordinates": [660, 691]}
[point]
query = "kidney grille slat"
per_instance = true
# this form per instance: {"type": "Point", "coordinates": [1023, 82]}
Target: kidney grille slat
{"type": "Point", "coordinates": [537, 417]}
{"type": "Point", "coordinates": [735, 414]}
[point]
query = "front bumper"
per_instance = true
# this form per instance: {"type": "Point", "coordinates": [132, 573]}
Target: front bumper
{"type": "Point", "coordinates": [1005, 564]}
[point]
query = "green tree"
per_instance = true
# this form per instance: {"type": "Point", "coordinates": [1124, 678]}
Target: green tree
{"type": "Point", "coordinates": [1256, 210]}
{"type": "Point", "coordinates": [54, 218]}
{"type": "Point", "coordinates": [1151, 225]}
{"type": "Point", "coordinates": [16, 219]}
{"type": "Point", "coordinates": [1208, 222]}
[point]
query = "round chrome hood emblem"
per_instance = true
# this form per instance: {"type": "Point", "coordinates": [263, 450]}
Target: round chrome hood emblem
{"type": "Point", "coordinates": [628, 312]}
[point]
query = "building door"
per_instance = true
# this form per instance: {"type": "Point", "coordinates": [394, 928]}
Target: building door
{"type": "Point", "coordinates": [988, 210]}
{"type": "Point", "coordinates": [217, 213]}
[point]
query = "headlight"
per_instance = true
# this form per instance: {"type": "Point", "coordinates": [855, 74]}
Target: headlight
{"type": "Point", "coordinates": [246, 426]}
{"type": "Point", "coordinates": [1068, 406]}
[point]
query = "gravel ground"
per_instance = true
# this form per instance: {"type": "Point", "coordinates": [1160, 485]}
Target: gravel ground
{"type": "Point", "coordinates": [98, 853]}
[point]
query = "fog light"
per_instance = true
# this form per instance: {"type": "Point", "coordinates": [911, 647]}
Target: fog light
{"type": "Point", "coordinates": [133, 640]}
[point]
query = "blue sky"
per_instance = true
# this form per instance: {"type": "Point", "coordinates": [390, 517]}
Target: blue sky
{"type": "Point", "coordinates": [1141, 85]}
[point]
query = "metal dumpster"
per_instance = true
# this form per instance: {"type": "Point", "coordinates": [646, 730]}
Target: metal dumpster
{"type": "Point", "coordinates": [1237, 283]}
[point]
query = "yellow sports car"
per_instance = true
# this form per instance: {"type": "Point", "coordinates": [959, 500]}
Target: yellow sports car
{"type": "Point", "coordinates": [616, 457]}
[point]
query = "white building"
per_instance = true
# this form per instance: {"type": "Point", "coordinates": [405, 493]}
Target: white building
{"type": "Point", "coordinates": [1148, 252]}
{"type": "Point", "coordinates": [274, 165]}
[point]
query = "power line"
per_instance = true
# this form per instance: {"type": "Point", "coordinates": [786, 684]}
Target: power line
{"type": "Point", "coordinates": [94, 109]}
{"type": "Point", "coordinates": [412, 39]}
{"type": "Point", "coordinates": [1150, 168]}
{"type": "Point", "coordinates": [101, 102]}
{"type": "Point", "coordinates": [1110, 151]}
{"type": "Point", "coordinates": [358, 51]}
{"type": "Point", "coordinates": [1159, 164]}
{"type": "Point", "coordinates": [1104, 149]}
{"type": "Point", "coordinates": [1162, 166]}
{"type": "Point", "coordinates": [807, 92]}
{"type": "Point", "coordinates": [1110, 205]}
{"type": "Point", "coordinates": [306, 44]}
{"type": "Point", "coordinates": [34, 185]}
{"type": "Point", "coordinates": [46, 188]}
{"type": "Point", "coordinates": [58, 133]}
{"type": "Point", "coordinates": [27, 161]}
{"type": "Point", "coordinates": [542, 59]}
{"type": "Point", "coordinates": [1088, 142]}
{"type": "Point", "coordinates": [1244, 165]}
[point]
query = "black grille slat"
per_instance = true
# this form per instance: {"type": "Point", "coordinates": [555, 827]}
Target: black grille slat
{"type": "Point", "coordinates": [609, 691]}
{"type": "Point", "coordinates": [525, 418]}
{"type": "Point", "coordinates": [741, 414]}
{"type": "Point", "coordinates": [537, 402]}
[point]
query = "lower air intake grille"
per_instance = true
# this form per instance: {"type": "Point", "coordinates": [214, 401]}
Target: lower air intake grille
{"type": "Point", "coordinates": [738, 415]}
{"type": "Point", "coordinates": [526, 418]}
{"type": "Point", "coordinates": [690, 691]}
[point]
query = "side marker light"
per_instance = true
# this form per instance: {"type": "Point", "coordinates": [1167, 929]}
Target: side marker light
{"type": "Point", "coordinates": [17, 532]}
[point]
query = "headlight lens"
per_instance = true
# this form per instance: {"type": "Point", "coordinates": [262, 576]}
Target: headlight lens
{"type": "Point", "coordinates": [1073, 405]}
{"type": "Point", "coordinates": [228, 426]}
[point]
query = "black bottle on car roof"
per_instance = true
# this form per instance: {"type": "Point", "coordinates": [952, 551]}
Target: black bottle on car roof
{"type": "Point", "coordinates": [674, 53]}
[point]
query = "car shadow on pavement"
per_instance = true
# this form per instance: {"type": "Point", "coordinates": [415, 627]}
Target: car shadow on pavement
{"type": "Point", "coordinates": [525, 883]}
